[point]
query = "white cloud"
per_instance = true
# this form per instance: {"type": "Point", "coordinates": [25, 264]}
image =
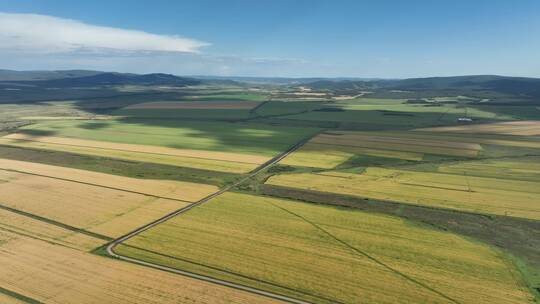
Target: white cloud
{"type": "Point", "coordinates": [31, 33]}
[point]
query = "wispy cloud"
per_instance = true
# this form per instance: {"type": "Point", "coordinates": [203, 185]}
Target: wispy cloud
{"type": "Point", "coordinates": [31, 33]}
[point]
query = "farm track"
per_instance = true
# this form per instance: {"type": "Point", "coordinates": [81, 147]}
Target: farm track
{"type": "Point", "coordinates": [110, 247]}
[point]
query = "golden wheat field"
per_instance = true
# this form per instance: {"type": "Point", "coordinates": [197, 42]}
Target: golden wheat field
{"type": "Point", "coordinates": [171, 105]}
{"type": "Point", "coordinates": [475, 194]}
{"type": "Point", "coordinates": [329, 255]}
{"type": "Point", "coordinates": [5, 299]}
{"type": "Point", "coordinates": [26, 225]}
{"type": "Point", "coordinates": [50, 273]}
{"type": "Point", "coordinates": [111, 212]}
{"type": "Point", "coordinates": [185, 191]}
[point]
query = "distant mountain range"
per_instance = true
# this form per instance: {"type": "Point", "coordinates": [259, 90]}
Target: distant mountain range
{"type": "Point", "coordinates": [82, 78]}
{"type": "Point", "coordinates": [518, 86]}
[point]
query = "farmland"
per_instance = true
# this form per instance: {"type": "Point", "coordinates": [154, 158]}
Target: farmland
{"type": "Point", "coordinates": [463, 173]}
{"type": "Point", "coordinates": [240, 237]}
{"type": "Point", "coordinates": [207, 146]}
{"type": "Point", "coordinates": [193, 105]}
{"type": "Point", "coordinates": [40, 272]}
{"type": "Point", "coordinates": [510, 128]}
{"type": "Point", "coordinates": [473, 194]}
{"type": "Point", "coordinates": [231, 137]}
{"type": "Point", "coordinates": [87, 201]}
{"type": "Point", "coordinates": [427, 209]}
{"type": "Point", "coordinates": [169, 189]}
{"type": "Point", "coordinates": [205, 160]}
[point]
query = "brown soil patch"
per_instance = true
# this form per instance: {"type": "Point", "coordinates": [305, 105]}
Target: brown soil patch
{"type": "Point", "coordinates": [523, 128]}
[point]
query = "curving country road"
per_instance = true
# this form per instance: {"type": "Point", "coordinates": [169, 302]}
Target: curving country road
{"type": "Point", "coordinates": [110, 247]}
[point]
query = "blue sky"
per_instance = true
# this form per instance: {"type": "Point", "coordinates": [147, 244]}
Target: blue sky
{"type": "Point", "coordinates": [389, 39]}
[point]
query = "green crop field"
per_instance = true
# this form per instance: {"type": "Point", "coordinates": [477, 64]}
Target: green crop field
{"type": "Point", "coordinates": [218, 114]}
{"type": "Point", "coordinates": [322, 254]}
{"type": "Point", "coordinates": [373, 113]}
{"type": "Point", "coordinates": [247, 138]}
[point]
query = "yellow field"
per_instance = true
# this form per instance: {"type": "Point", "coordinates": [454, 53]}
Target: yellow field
{"type": "Point", "coordinates": [388, 141]}
{"type": "Point", "coordinates": [55, 274]}
{"type": "Point", "coordinates": [328, 255]}
{"type": "Point", "coordinates": [225, 105]}
{"type": "Point", "coordinates": [5, 299]}
{"type": "Point", "coordinates": [169, 189]}
{"type": "Point", "coordinates": [26, 225]}
{"type": "Point", "coordinates": [328, 156]}
{"type": "Point", "coordinates": [523, 128]}
{"type": "Point", "coordinates": [93, 208]}
{"type": "Point", "coordinates": [208, 160]}
{"type": "Point", "coordinates": [474, 194]}
{"type": "Point", "coordinates": [197, 163]}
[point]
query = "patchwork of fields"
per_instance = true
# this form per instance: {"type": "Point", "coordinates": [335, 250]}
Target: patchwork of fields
{"type": "Point", "coordinates": [55, 219]}
{"type": "Point", "coordinates": [208, 146]}
{"type": "Point", "coordinates": [322, 254]}
{"type": "Point", "coordinates": [452, 191]}
{"type": "Point", "coordinates": [474, 174]}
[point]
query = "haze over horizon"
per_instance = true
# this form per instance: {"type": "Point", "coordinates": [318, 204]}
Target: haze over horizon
{"type": "Point", "coordinates": [387, 39]}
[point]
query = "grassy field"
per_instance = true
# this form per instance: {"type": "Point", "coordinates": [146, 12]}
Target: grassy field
{"type": "Point", "coordinates": [40, 272]}
{"type": "Point", "coordinates": [379, 113]}
{"type": "Point", "coordinates": [191, 114]}
{"type": "Point", "coordinates": [206, 105]}
{"type": "Point", "coordinates": [322, 254]}
{"type": "Point", "coordinates": [201, 109]}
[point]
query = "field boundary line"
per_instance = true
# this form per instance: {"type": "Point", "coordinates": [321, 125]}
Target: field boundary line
{"type": "Point", "coordinates": [230, 272]}
{"type": "Point", "coordinates": [110, 247]}
{"type": "Point", "coordinates": [97, 185]}
{"type": "Point", "coordinates": [367, 255]}
{"type": "Point", "coordinates": [57, 224]}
